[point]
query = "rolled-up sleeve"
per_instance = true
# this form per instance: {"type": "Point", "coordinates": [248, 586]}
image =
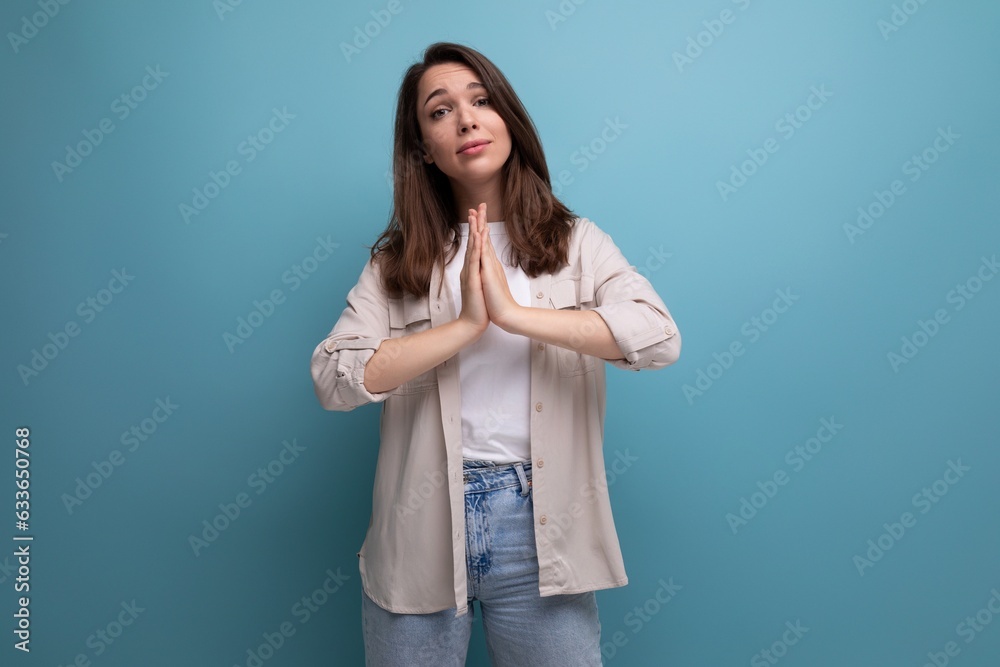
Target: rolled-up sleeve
{"type": "Point", "coordinates": [338, 362]}
{"type": "Point", "coordinates": [636, 315]}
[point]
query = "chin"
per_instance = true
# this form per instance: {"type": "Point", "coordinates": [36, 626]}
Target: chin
{"type": "Point", "coordinates": [478, 173]}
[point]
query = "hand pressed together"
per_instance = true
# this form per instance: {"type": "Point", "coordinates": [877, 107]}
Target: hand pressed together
{"type": "Point", "coordinates": [486, 296]}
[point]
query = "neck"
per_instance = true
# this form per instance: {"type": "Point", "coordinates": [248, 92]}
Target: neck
{"type": "Point", "coordinates": [470, 197]}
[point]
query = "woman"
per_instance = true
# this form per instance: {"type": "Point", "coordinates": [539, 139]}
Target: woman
{"type": "Point", "coordinates": [490, 480]}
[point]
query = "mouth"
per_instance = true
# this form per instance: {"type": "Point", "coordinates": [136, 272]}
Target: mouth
{"type": "Point", "coordinates": [473, 147]}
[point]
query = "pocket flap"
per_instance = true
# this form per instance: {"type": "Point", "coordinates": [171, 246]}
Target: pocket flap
{"type": "Point", "coordinates": [407, 310]}
{"type": "Point", "coordinates": [562, 293]}
{"type": "Point", "coordinates": [571, 292]}
{"type": "Point", "coordinates": [586, 288]}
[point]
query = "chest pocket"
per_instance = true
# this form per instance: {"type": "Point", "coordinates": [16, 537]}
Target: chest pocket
{"type": "Point", "coordinates": [407, 316]}
{"type": "Point", "coordinates": [575, 293]}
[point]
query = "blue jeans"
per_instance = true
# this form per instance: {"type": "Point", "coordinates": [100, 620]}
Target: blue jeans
{"type": "Point", "coordinates": [522, 629]}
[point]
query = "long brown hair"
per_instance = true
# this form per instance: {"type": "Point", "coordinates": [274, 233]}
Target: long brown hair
{"type": "Point", "coordinates": [423, 213]}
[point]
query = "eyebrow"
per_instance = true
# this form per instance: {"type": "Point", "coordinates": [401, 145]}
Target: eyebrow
{"type": "Point", "coordinates": [441, 91]}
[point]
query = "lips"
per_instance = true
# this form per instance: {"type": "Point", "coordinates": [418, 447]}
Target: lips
{"type": "Point", "coordinates": [472, 144]}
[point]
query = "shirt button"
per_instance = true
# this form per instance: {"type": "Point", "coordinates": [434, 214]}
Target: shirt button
{"type": "Point", "coordinates": [541, 462]}
{"type": "Point", "coordinates": [543, 520]}
{"type": "Point", "coordinates": [330, 346]}
{"type": "Point", "coordinates": [538, 406]}
{"type": "Point", "coordinates": [541, 346]}
{"type": "Point", "coordinates": [539, 295]}
{"type": "Point", "coordinates": [667, 329]}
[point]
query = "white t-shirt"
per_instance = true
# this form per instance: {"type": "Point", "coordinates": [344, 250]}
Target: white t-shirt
{"type": "Point", "coordinates": [495, 371]}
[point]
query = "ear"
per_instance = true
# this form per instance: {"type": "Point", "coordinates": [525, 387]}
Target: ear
{"type": "Point", "coordinates": [422, 147]}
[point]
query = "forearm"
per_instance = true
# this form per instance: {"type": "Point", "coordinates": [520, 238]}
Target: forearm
{"type": "Point", "coordinates": [581, 330]}
{"type": "Point", "coordinates": [399, 360]}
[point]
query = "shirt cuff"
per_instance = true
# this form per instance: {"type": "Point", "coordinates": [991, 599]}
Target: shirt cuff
{"type": "Point", "coordinates": [339, 371]}
{"type": "Point", "coordinates": [653, 344]}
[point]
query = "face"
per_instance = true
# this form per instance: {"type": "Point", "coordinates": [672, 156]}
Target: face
{"type": "Point", "coordinates": [456, 114]}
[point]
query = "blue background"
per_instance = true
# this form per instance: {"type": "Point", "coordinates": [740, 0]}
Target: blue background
{"type": "Point", "coordinates": [655, 189]}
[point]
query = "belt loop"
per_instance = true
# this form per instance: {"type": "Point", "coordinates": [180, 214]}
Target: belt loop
{"type": "Point", "coordinates": [520, 475]}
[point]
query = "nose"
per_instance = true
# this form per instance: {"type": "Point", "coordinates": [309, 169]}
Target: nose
{"type": "Point", "coordinates": [467, 119]}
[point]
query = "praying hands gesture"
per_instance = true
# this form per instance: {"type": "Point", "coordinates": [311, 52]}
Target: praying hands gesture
{"type": "Point", "coordinates": [486, 295]}
{"type": "Point", "coordinates": [486, 298]}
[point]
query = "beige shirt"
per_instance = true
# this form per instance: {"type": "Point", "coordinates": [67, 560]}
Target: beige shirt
{"type": "Point", "coordinates": [413, 557]}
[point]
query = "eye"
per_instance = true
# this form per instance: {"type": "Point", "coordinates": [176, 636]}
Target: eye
{"type": "Point", "coordinates": [435, 116]}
